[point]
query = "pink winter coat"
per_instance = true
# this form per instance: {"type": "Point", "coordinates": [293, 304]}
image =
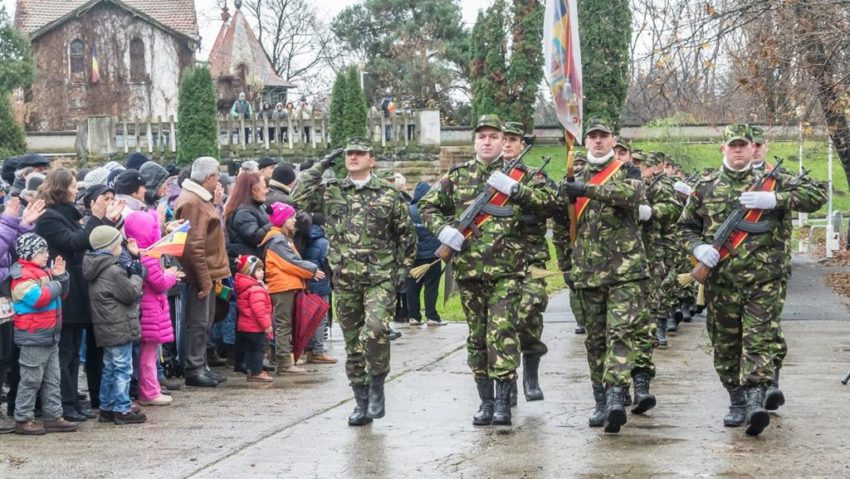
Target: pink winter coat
{"type": "Point", "coordinates": [156, 319]}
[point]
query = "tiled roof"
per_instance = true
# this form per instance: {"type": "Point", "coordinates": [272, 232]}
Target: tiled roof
{"type": "Point", "coordinates": [178, 15]}
{"type": "Point", "coordinates": [237, 45]}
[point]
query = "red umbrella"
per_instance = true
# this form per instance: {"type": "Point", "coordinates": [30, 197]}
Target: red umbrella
{"type": "Point", "coordinates": [310, 308]}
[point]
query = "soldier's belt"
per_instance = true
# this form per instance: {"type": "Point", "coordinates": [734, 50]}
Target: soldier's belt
{"type": "Point", "coordinates": [498, 211]}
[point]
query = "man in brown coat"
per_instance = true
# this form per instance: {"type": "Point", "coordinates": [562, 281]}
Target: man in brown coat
{"type": "Point", "coordinates": [204, 261]}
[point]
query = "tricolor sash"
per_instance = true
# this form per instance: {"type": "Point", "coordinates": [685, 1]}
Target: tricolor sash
{"type": "Point", "coordinates": [499, 200]}
{"type": "Point", "coordinates": [738, 237]}
{"type": "Point", "coordinates": [599, 178]}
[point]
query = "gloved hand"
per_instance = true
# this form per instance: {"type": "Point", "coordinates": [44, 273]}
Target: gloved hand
{"type": "Point", "coordinates": [644, 212]}
{"type": "Point", "coordinates": [136, 268]}
{"type": "Point", "coordinates": [451, 237]}
{"type": "Point", "coordinates": [331, 157]}
{"type": "Point", "coordinates": [707, 255]}
{"type": "Point", "coordinates": [573, 189]}
{"type": "Point", "coordinates": [682, 187]}
{"type": "Point", "coordinates": [502, 183]}
{"type": "Point", "coordinates": [758, 200]}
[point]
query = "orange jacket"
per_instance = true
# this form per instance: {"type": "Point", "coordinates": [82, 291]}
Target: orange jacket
{"type": "Point", "coordinates": [285, 270]}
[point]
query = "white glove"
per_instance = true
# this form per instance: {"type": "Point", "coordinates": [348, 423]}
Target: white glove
{"type": "Point", "coordinates": [644, 212]}
{"type": "Point", "coordinates": [503, 183]}
{"type": "Point", "coordinates": [707, 255]}
{"type": "Point", "coordinates": [451, 237]}
{"type": "Point", "coordinates": [682, 188]}
{"type": "Point", "coordinates": [758, 200]}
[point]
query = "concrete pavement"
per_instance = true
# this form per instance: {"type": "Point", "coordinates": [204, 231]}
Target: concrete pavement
{"type": "Point", "coordinates": [297, 426]}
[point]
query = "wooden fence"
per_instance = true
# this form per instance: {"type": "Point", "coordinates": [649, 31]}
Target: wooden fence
{"type": "Point", "coordinates": [263, 133]}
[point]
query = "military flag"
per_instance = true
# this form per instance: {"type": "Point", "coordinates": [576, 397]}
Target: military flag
{"type": "Point", "coordinates": [95, 66]}
{"type": "Point", "coordinates": [562, 54]}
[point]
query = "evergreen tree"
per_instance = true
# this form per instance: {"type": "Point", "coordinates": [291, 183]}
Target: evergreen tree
{"type": "Point", "coordinates": [488, 67]}
{"type": "Point", "coordinates": [337, 110]}
{"type": "Point", "coordinates": [355, 111]}
{"type": "Point", "coordinates": [526, 68]}
{"type": "Point", "coordinates": [606, 34]}
{"type": "Point", "coordinates": [196, 116]}
{"type": "Point", "coordinates": [12, 139]}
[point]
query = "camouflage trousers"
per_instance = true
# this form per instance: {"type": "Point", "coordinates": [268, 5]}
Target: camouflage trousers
{"type": "Point", "coordinates": [533, 302]}
{"type": "Point", "coordinates": [612, 316]}
{"type": "Point", "coordinates": [364, 313]}
{"type": "Point", "coordinates": [492, 314]}
{"type": "Point", "coordinates": [780, 347]}
{"type": "Point", "coordinates": [742, 324]}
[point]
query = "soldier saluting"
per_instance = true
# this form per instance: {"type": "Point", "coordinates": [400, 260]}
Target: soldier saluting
{"type": "Point", "coordinates": [607, 270]}
{"type": "Point", "coordinates": [744, 288]}
{"type": "Point", "coordinates": [489, 268]}
{"type": "Point", "coordinates": [372, 248]}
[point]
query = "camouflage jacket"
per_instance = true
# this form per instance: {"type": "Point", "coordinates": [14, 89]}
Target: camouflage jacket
{"type": "Point", "coordinates": [501, 249]}
{"type": "Point", "coordinates": [787, 225]}
{"type": "Point", "coordinates": [533, 224]}
{"type": "Point", "coordinates": [609, 247]}
{"type": "Point", "coordinates": [659, 233]}
{"type": "Point", "coordinates": [760, 257]}
{"type": "Point", "coordinates": [369, 229]}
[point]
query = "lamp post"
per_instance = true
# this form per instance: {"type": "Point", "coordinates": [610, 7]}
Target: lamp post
{"type": "Point", "coordinates": [801, 114]}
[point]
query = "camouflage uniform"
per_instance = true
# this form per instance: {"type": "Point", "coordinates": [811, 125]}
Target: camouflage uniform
{"type": "Point", "coordinates": [490, 270]}
{"type": "Point", "coordinates": [743, 291]}
{"type": "Point", "coordinates": [666, 208]}
{"type": "Point", "coordinates": [373, 244]}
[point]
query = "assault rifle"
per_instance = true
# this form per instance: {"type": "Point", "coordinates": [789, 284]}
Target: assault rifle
{"type": "Point", "coordinates": [466, 222]}
{"type": "Point", "coordinates": [735, 222]}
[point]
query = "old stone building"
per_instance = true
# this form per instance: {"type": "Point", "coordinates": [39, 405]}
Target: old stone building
{"type": "Point", "coordinates": [121, 58]}
{"type": "Point", "coordinates": [238, 63]}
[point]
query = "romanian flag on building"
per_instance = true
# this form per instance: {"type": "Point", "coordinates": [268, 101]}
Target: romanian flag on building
{"type": "Point", "coordinates": [562, 53]}
{"type": "Point", "coordinates": [95, 66]}
{"type": "Point", "coordinates": [172, 244]}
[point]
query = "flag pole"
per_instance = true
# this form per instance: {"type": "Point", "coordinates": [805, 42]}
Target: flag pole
{"type": "Point", "coordinates": [571, 177]}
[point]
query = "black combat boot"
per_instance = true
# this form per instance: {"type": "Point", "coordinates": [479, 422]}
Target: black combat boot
{"type": "Point", "coordinates": [597, 419]}
{"type": "Point", "coordinates": [615, 412]}
{"type": "Point", "coordinates": [627, 398]}
{"type": "Point", "coordinates": [737, 407]}
{"type": "Point", "coordinates": [774, 398]}
{"type": "Point", "coordinates": [673, 321]}
{"type": "Point", "coordinates": [685, 308]}
{"type": "Point", "coordinates": [502, 409]}
{"type": "Point", "coordinates": [514, 395]}
{"type": "Point", "coordinates": [644, 400]}
{"type": "Point", "coordinates": [580, 329]}
{"type": "Point", "coordinates": [661, 332]}
{"type": "Point", "coordinates": [376, 397]}
{"type": "Point", "coordinates": [361, 396]}
{"type": "Point", "coordinates": [484, 416]}
{"type": "Point", "coordinates": [757, 417]}
{"type": "Point", "coordinates": [530, 383]}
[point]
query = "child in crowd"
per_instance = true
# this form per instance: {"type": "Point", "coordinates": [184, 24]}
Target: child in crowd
{"type": "Point", "coordinates": [143, 227]}
{"type": "Point", "coordinates": [255, 316]}
{"type": "Point", "coordinates": [286, 273]}
{"type": "Point", "coordinates": [36, 297]}
{"type": "Point", "coordinates": [114, 294]}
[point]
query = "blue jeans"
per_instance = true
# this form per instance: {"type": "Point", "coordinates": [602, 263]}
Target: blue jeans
{"type": "Point", "coordinates": [115, 380]}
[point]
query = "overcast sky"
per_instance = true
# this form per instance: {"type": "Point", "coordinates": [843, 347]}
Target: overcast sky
{"type": "Point", "coordinates": [209, 20]}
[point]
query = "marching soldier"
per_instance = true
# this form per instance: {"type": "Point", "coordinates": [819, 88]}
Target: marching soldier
{"type": "Point", "coordinates": [773, 396]}
{"type": "Point", "coordinates": [489, 269]}
{"type": "Point", "coordinates": [745, 284]}
{"type": "Point", "coordinates": [373, 246]}
{"type": "Point", "coordinates": [608, 270]}
{"type": "Point", "coordinates": [533, 299]}
{"type": "Point", "coordinates": [561, 240]}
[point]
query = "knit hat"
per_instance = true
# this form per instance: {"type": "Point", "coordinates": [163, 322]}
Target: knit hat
{"type": "Point", "coordinates": [247, 264]}
{"type": "Point", "coordinates": [93, 192]}
{"type": "Point", "coordinates": [28, 244]}
{"type": "Point", "coordinates": [33, 181]}
{"type": "Point", "coordinates": [128, 182]}
{"type": "Point", "coordinates": [96, 176]}
{"type": "Point", "coordinates": [104, 237]}
{"type": "Point", "coordinates": [135, 160]}
{"type": "Point", "coordinates": [279, 213]}
{"type": "Point", "coordinates": [154, 176]}
{"type": "Point", "coordinates": [8, 170]}
{"type": "Point", "coordinates": [284, 174]}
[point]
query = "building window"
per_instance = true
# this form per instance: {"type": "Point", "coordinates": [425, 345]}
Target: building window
{"type": "Point", "coordinates": [137, 60]}
{"type": "Point", "coordinates": [77, 54]}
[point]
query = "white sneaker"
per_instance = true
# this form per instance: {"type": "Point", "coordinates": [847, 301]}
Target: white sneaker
{"type": "Point", "coordinates": [160, 400]}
